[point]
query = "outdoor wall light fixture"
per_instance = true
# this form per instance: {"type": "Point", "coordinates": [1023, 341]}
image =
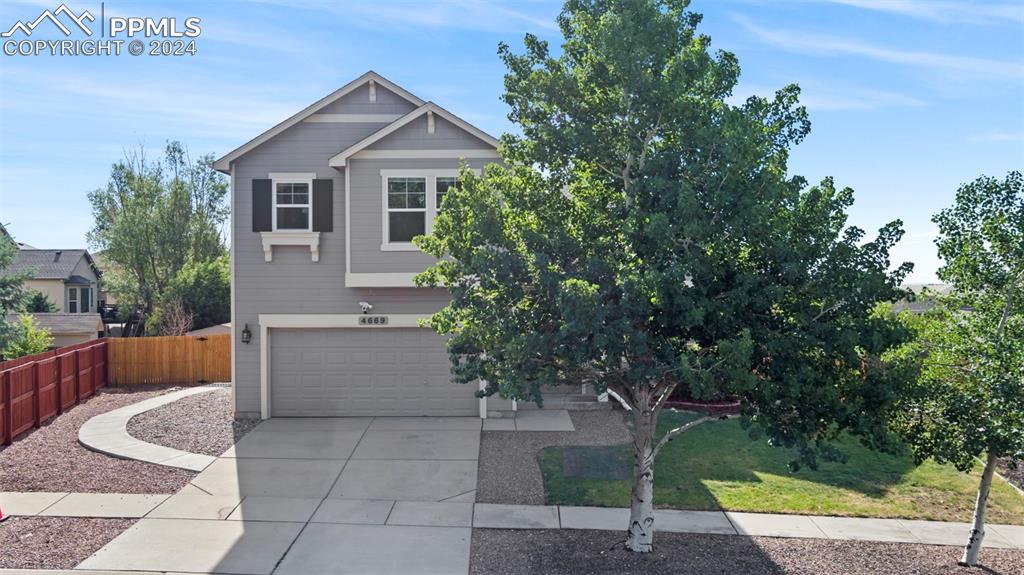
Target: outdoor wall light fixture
{"type": "Point", "coordinates": [246, 334]}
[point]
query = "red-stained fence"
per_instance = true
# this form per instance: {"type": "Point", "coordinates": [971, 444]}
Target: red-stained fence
{"type": "Point", "coordinates": [36, 388]}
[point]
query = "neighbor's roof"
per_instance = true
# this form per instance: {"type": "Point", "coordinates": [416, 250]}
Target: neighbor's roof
{"type": "Point", "coordinates": [50, 264]}
{"type": "Point", "coordinates": [65, 323]}
{"type": "Point", "coordinates": [212, 330]}
{"type": "Point", "coordinates": [224, 164]}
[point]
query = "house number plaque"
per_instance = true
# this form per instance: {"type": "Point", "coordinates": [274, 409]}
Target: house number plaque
{"type": "Point", "coordinates": [373, 320]}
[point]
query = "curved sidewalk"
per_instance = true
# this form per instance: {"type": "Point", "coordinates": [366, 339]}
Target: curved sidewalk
{"type": "Point", "coordinates": [108, 433]}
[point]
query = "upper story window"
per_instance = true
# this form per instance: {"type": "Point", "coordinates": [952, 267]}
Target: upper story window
{"type": "Point", "coordinates": [444, 183]}
{"type": "Point", "coordinates": [412, 199]}
{"type": "Point", "coordinates": [407, 208]}
{"type": "Point", "coordinates": [292, 205]}
{"type": "Point", "coordinates": [79, 300]}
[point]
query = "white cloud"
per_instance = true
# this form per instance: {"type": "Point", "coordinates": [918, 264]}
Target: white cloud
{"type": "Point", "coordinates": [998, 136]}
{"type": "Point", "coordinates": [944, 11]}
{"type": "Point", "coordinates": [817, 95]}
{"type": "Point", "coordinates": [813, 44]}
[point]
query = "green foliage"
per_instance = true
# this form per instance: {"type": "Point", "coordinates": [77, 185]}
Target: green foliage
{"type": "Point", "coordinates": [643, 233]}
{"type": "Point", "coordinates": [204, 289]}
{"type": "Point", "coordinates": [12, 287]}
{"type": "Point", "coordinates": [26, 338]}
{"type": "Point", "coordinates": [969, 352]}
{"type": "Point", "coordinates": [152, 218]}
{"type": "Point", "coordinates": [38, 302]}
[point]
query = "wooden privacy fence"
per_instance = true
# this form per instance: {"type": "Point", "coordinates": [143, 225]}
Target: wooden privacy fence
{"type": "Point", "coordinates": [173, 359]}
{"type": "Point", "coordinates": [36, 388]}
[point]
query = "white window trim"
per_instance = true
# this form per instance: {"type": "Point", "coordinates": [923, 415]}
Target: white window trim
{"type": "Point", "coordinates": [79, 299]}
{"type": "Point", "coordinates": [291, 178]}
{"type": "Point", "coordinates": [430, 175]}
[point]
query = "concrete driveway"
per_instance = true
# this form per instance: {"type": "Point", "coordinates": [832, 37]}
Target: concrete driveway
{"type": "Point", "coordinates": [297, 496]}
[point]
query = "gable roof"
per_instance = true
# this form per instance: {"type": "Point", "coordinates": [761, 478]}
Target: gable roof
{"type": "Point", "coordinates": [50, 264]}
{"type": "Point", "coordinates": [338, 160]}
{"type": "Point", "coordinates": [224, 163]}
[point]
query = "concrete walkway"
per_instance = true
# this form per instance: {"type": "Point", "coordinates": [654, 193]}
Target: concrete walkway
{"type": "Point", "coordinates": [108, 433]}
{"type": "Point", "coordinates": [195, 504]}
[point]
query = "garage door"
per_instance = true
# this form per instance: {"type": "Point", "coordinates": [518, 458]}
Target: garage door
{"type": "Point", "coordinates": [360, 372]}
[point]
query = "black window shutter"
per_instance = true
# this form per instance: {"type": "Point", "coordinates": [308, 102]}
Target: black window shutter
{"type": "Point", "coordinates": [323, 205]}
{"type": "Point", "coordinates": [262, 206]}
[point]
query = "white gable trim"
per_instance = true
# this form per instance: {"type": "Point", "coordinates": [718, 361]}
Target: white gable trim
{"type": "Point", "coordinates": [338, 160]}
{"type": "Point", "coordinates": [224, 163]}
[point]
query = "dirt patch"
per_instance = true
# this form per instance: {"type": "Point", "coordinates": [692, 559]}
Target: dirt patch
{"type": "Point", "coordinates": [1013, 474]}
{"type": "Point", "coordinates": [508, 470]}
{"type": "Point", "coordinates": [203, 423]}
{"type": "Point", "coordinates": [54, 542]}
{"type": "Point", "coordinates": [552, 552]}
{"type": "Point", "coordinates": [51, 459]}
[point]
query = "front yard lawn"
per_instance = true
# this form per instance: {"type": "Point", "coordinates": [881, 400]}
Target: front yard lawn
{"type": "Point", "coordinates": [716, 466]}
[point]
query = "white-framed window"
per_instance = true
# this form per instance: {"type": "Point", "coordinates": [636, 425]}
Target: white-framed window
{"type": "Point", "coordinates": [411, 201]}
{"type": "Point", "coordinates": [406, 208]}
{"type": "Point", "coordinates": [79, 300]}
{"type": "Point", "coordinates": [293, 202]}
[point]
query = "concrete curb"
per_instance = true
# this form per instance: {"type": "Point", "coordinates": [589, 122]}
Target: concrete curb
{"type": "Point", "coordinates": [107, 433]}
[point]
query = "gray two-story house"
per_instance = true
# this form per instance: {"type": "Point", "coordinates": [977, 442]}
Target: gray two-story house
{"type": "Point", "coordinates": [324, 312]}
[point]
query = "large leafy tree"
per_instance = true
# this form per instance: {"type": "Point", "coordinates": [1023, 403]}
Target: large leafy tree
{"type": "Point", "coordinates": [12, 287]}
{"type": "Point", "coordinates": [970, 348]}
{"type": "Point", "coordinates": [644, 234]}
{"type": "Point", "coordinates": [153, 217]}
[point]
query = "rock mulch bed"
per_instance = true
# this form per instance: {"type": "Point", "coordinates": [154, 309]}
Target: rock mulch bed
{"type": "Point", "coordinates": [514, 552]}
{"type": "Point", "coordinates": [1014, 475]}
{"type": "Point", "coordinates": [51, 459]}
{"type": "Point", "coordinates": [508, 470]}
{"type": "Point", "coordinates": [203, 423]}
{"type": "Point", "coordinates": [54, 542]}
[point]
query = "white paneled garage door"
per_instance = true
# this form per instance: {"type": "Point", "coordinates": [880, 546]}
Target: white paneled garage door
{"type": "Point", "coordinates": [363, 371]}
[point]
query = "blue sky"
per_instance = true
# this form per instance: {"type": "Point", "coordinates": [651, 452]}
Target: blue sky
{"type": "Point", "coordinates": [908, 98]}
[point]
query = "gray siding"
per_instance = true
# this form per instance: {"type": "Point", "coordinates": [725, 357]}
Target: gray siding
{"type": "Point", "coordinates": [292, 283]}
{"type": "Point", "coordinates": [414, 136]}
{"type": "Point", "coordinates": [358, 102]}
{"type": "Point", "coordinates": [367, 200]}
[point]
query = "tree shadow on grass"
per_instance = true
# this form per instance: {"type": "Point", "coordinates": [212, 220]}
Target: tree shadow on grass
{"type": "Point", "coordinates": [744, 473]}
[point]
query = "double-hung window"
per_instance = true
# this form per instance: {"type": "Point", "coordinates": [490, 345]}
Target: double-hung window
{"type": "Point", "coordinates": [407, 209]}
{"type": "Point", "coordinates": [292, 205]}
{"type": "Point", "coordinates": [443, 184]}
{"type": "Point", "coordinates": [79, 300]}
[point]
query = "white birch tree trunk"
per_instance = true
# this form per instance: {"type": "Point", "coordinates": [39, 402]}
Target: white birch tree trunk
{"type": "Point", "coordinates": [640, 537]}
{"type": "Point", "coordinates": [970, 557]}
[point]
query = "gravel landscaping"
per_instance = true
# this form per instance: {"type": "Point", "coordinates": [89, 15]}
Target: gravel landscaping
{"type": "Point", "coordinates": [203, 423]}
{"type": "Point", "coordinates": [1014, 475]}
{"type": "Point", "coordinates": [51, 459]}
{"type": "Point", "coordinates": [54, 542]}
{"type": "Point", "coordinates": [508, 470]}
{"type": "Point", "coordinates": [513, 552]}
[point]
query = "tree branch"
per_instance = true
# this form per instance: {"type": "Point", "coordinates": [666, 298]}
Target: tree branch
{"type": "Point", "coordinates": [674, 432]}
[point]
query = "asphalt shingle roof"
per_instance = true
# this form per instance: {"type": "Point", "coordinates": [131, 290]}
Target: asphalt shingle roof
{"type": "Point", "coordinates": [65, 323]}
{"type": "Point", "coordinates": [48, 264]}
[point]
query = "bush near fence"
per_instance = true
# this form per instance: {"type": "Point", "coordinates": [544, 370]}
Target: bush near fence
{"type": "Point", "coordinates": [36, 388]}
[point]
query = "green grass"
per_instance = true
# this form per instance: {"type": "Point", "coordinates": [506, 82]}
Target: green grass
{"type": "Point", "coordinates": [716, 466]}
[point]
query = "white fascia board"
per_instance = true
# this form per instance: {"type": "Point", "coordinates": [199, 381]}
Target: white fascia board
{"type": "Point", "coordinates": [340, 320]}
{"type": "Point", "coordinates": [224, 164]}
{"type": "Point", "coordinates": [339, 159]}
{"type": "Point", "coordinates": [380, 280]}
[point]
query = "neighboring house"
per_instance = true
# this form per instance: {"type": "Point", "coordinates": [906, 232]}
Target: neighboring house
{"type": "Point", "coordinates": [67, 328]}
{"type": "Point", "coordinates": [324, 208]}
{"type": "Point", "coordinates": [103, 297]}
{"type": "Point", "coordinates": [69, 278]}
{"type": "Point", "coordinates": [219, 329]}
